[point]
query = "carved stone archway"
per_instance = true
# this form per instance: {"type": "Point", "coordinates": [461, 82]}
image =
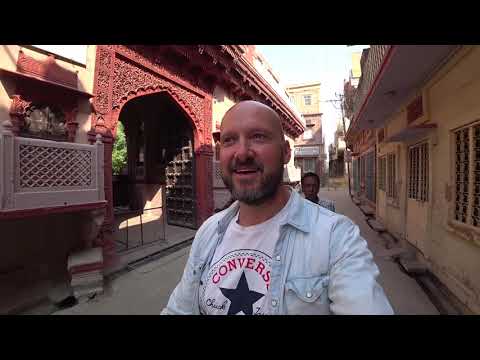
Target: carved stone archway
{"type": "Point", "coordinates": [122, 74]}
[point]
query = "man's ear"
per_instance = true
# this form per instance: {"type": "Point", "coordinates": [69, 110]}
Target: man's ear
{"type": "Point", "coordinates": [287, 152]}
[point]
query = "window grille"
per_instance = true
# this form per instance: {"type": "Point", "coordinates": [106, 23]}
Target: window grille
{"type": "Point", "coordinates": [418, 172]}
{"type": "Point", "coordinates": [391, 164]}
{"type": "Point", "coordinates": [467, 175]}
{"type": "Point", "coordinates": [382, 173]}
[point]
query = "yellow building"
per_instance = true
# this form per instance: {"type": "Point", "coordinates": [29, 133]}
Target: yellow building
{"type": "Point", "coordinates": [425, 116]}
{"type": "Point", "coordinates": [309, 148]}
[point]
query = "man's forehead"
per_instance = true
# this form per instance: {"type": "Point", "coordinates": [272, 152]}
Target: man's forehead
{"type": "Point", "coordinates": [251, 114]}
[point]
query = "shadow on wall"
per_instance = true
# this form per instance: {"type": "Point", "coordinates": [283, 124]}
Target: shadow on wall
{"type": "Point", "coordinates": [34, 254]}
{"type": "Point", "coordinates": [10, 56]}
{"type": "Point", "coordinates": [4, 114]}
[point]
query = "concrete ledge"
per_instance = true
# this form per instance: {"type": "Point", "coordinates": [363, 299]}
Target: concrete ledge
{"type": "Point", "coordinates": [392, 253]}
{"type": "Point", "coordinates": [367, 210]}
{"type": "Point", "coordinates": [377, 226]}
{"type": "Point", "coordinates": [413, 266]}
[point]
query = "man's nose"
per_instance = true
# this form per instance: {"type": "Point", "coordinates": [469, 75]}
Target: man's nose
{"type": "Point", "coordinates": [243, 151]}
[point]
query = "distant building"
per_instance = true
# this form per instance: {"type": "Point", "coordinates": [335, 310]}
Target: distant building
{"type": "Point", "coordinates": [336, 153]}
{"type": "Point", "coordinates": [310, 147]}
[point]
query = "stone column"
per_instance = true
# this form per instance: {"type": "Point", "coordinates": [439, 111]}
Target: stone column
{"type": "Point", "coordinates": [204, 184]}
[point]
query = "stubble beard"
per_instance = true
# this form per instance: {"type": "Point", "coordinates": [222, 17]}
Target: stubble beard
{"type": "Point", "coordinates": [266, 190]}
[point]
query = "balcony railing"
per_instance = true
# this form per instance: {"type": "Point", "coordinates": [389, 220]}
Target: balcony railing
{"type": "Point", "coordinates": [372, 66]}
{"type": "Point", "coordinates": [36, 173]}
{"type": "Point", "coordinates": [217, 175]}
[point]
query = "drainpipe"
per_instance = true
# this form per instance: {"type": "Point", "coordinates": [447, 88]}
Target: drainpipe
{"type": "Point", "coordinates": [344, 137]}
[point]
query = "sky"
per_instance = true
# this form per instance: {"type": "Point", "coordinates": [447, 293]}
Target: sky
{"type": "Point", "coordinates": [327, 64]}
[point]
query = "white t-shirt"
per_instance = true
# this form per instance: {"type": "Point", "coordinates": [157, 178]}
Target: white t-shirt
{"type": "Point", "coordinates": [239, 277]}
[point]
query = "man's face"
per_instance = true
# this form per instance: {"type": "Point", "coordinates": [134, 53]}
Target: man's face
{"type": "Point", "coordinates": [252, 153]}
{"type": "Point", "coordinates": [310, 187]}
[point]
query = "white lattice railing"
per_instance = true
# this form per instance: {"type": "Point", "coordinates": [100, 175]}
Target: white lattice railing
{"type": "Point", "coordinates": [217, 177]}
{"type": "Point", "coordinates": [37, 173]}
{"type": "Point", "coordinates": [373, 62]}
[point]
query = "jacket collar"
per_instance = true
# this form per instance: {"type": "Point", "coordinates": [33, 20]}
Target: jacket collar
{"type": "Point", "coordinates": [297, 215]}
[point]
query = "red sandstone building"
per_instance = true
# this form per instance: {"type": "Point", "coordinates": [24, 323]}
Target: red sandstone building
{"type": "Point", "coordinates": [59, 121]}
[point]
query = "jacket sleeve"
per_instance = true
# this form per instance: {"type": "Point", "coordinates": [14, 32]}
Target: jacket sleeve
{"type": "Point", "coordinates": [182, 299]}
{"type": "Point", "coordinates": [353, 288]}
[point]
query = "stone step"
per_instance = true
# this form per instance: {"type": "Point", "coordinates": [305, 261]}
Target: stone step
{"type": "Point", "coordinates": [367, 210]}
{"type": "Point", "coordinates": [376, 225]}
{"type": "Point", "coordinates": [392, 253]}
{"type": "Point", "coordinates": [413, 266]}
{"type": "Point", "coordinates": [445, 303]}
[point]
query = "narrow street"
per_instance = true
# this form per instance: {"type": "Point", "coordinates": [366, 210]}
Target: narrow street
{"type": "Point", "coordinates": [145, 289]}
{"type": "Point", "coordinates": [404, 293]}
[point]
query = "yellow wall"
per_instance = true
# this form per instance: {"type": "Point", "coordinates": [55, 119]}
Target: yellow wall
{"type": "Point", "coordinates": [8, 60]}
{"type": "Point", "coordinates": [221, 103]}
{"type": "Point", "coordinates": [356, 69]}
{"type": "Point", "coordinates": [394, 210]}
{"type": "Point", "coordinates": [297, 93]}
{"type": "Point", "coordinates": [451, 98]}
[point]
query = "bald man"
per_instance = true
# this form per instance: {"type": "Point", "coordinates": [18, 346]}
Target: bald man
{"type": "Point", "coordinates": [272, 251]}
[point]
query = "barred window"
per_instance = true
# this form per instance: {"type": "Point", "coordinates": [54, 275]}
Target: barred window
{"type": "Point", "coordinates": [362, 168]}
{"type": "Point", "coordinates": [308, 165]}
{"type": "Point", "coordinates": [418, 177]}
{"type": "Point", "coordinates": [307, 99]}
{"type": "Point", "coordinates": [467, 175]}
{"type": "Point", "coordinates": [476, 188]}
{"type": "Point", "coordinates": [382, 173]}
{"type": "Point", "coordinates": [370, 176]}
{"type": "Point", "coordinates": [391, 176]}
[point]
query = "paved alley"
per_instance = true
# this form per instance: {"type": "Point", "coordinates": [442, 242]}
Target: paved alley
{"type": "Point", "coordinates": [404, 293]}
{"type": "Point", "coordinates": [145, 289]}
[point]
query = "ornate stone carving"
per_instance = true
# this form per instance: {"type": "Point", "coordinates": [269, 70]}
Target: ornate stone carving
{"type": "Point", "coordinates": [71, 124]}
{"type": "Point", "coordinates": [18, 111]}
{"type": "Point", "coordinates": [130, 81]}
{"type": "Point", "coordinates": [47, 69]}
{"type": "Point", "coordinates": [103, 69]}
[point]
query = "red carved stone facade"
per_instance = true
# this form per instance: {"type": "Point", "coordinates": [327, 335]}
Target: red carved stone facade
{"type": "Point", "coordinates": [122, 74]}
{"type": "Point", "coordinates": [44, 82]}
{"type": "Point", "coordinates": [47, 70]}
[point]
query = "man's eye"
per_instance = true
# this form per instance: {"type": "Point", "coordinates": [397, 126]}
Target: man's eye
{"type": "Point", "coordinates": [227, 141]}
{"type": "Point", "coordinates": [259, 137]}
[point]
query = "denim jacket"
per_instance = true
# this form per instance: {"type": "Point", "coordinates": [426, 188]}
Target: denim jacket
{"type": "Point", "coordinates": [321, 265]}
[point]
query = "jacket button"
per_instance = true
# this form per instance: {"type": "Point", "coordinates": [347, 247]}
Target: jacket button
{"type": "Point", "coordinates": [309, 294]}
{"type": "Point", "coordinates": [278, 258]}
{"type": "Point", "coordinates": [274, 303]}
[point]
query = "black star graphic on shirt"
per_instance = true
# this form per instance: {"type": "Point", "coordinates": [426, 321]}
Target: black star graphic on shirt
{"type": "Point", "coordinates": [241, 298]}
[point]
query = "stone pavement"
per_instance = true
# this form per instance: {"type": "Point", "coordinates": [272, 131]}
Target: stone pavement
{"type": "Point", "coordinates": [404, 293]}
{"type": "Point", "coordinates": [146, 288]}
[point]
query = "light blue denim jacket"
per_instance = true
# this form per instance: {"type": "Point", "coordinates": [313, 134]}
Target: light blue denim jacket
{"type": "Point", "coordinates": [320, 265]}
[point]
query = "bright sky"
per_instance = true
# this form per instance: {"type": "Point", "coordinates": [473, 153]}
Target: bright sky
{"type": "Point", "coordinates": [328, 64]}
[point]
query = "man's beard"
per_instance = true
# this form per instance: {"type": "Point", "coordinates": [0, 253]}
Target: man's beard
{"type": "Point", "coordinates": [266, 190]}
